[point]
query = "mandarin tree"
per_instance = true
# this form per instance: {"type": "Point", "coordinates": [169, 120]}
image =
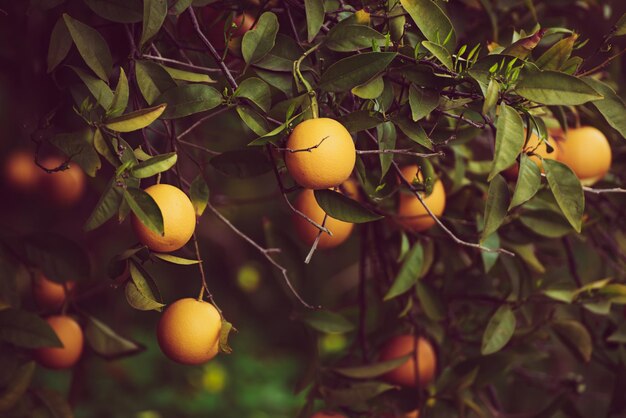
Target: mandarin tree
{"type": "Point", "coordinates": [318, 208]}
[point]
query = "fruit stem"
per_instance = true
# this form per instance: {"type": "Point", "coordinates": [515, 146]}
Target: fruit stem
{"type": "Point", "coordinates": [301, 80]}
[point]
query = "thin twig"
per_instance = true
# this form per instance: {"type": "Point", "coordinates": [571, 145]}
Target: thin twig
{"type": "Point", "coordinates": [309, 256]}
{"type": "Point", "coordinates": [401, 151]}
{"type": "Point", "coordinates": [266, 252]}
{"type": "Point", "coordinates": [212, 50]}
{"type": "Point", "coordinates": [309, 149]}
{"type": "Point", "coordinates": [602, 65]}
{"type": "Point", "coordinates": [464, 119]}
{"type": "Point", "coordinates": [200, 147]}
{"type": "Point", "coordinates": [201, 121]}
{"type": "Point", "coordinates": [182, 64]}
{"type": "Point", "coordinates": [601, 191]}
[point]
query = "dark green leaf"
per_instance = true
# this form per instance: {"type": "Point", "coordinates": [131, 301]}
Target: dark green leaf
{"type": "Point", "coordinates": [348, 38]}
{"type": "Point", "coordinates": [152, 80]}
{"type": "Point", "coordinates": [355, 70]}
{"type": "Point", "coordinates": [259, 41]}
{"type": "Point", "coordinates": [121, 11]}
{"type": "Point", "coordinates": [257, 91]}
{"type": "Point", "coordinates": [54, 402]}
{"type": "Point", "coordinates": [141, 291]}
{"type": "Point", "coordinates": [199, 194]}
{"type": "Point", "coordinates": [60, 44]}
{"type": "Point", "coordinates": [499, 330]}
{"type": "Point", "coordinates": [430, 301]}
{"type": "Point", "coordinates": [106, 207]}
{"type": "Point", "coordinates": [422, 102]}
{"type": "Point", "coordinates": [612, 107]}
{"type": "Point", "coordinates": [79, 145]}
{"type": "Point", "coordinates": [92, 47]}
{"type": "Point", "coordinates": [558, 54]}
{"type": "Point", "coordinates": [189, 99]}
{"type": "Point", "coordinates": [98, 88]}
{"type": "Point", "coordinates": [371, 371]}
{"type": "Point", "coordinates": [431, 21]}
{"type": "Point", "coordinates": [554, 88]}
{"type": "Point", "coordinates": [575, 336]}
{"type": "Point", "coordinates": [341, 207]}
{"type": "Point", "coordinates": [409, 272]}
{"type": "Point", "coordinates": [439, 52]}
{"type": "Point", "coordinates": [509, 139]}
{"type": "Point", "coordinates": [17, 386]}
{"type": "Point", "coordinates": [567, 191]}
{"type": "Point", "coordinates": [314, 10]}
{"type": "Point", "coordinates": [528, 181]}
{"type": "Point", "coordinates": [26, 329]}
{"type": "Point", "coordinates": [107, 343]}
{"type": "Point", "coordinates": [282, 56]}
{"type": "Point", "coordinates": [327, 321]}
{"type": "Point", "coordinates": [361, 120]}
{"type": "Point", "coordinates": [242, 163]}
{"type": "Point", "coordinates": [154, 12]}
{"type": "Point", "coordinates": [357, 393]}
{"type": "Point", "coordinates": [387, 136]}
{"type": "Point", "coordinates": [120, 96]}
{"type": "Point", "coordinates": [145, 208]}
{"type": "Point", "coordinates": [546, 223]}
{"type": "Point", "coordinates": [498, 198]}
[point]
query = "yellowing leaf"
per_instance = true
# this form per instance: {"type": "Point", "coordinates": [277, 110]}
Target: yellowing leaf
{"type": "Point", "coordinates": [135, 120]}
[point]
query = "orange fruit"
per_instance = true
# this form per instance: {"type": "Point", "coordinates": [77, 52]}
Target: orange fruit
{"type": "Point", "coordinates": [328, 414]}
{"type": "Point", "coordinates": [330, 157]}
{"type": "Point", "coordinates": [71, 336]}
{"type": "Point", "coordinates": [587, 152]}
{"type": "Point", "coordinates": [62, 188]}
{"type": "Point", "coordinates": [362, 17]}
{"type": "Point", "coordinates": [50, 295]}
{"type": "Point", "coordinates": [411, 213]}
{"type": "Point", "coordinates": [405, 375]}
{"type": "Point", "coordinates": [179, 219]}
{"type": "Point", "coordinates": [411, 414]}
{"type": "Point", "coordinates": [306, 203]}
{"type": "Point", "coordinates": [21, 173]}
{"type": "Point", "coordinates": [189, 331]}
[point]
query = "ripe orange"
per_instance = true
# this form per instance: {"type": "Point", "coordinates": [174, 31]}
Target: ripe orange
{"type": "Point", "coordinates": [189, 331]}
{"type": "Point", "coordinates": [306, 203]}
{"type": "Point", "coordinates": [411, 213]}
{"type": "Point", "coordinates": [21, 173]}
{"type": "Point", "coordinates": [405, 375]}
{"type": "Point", "coordinates": [179, 219]}
{"type": "Point", "coordinates": [62, 188]}
{"type": "Point", "coordinates": [411, 414]}
{"type": "Point", "coordinates": [587, 152]}
{"type": "Point", "coordinates": [71, 335]}
{"type": "Point", "coordinates": [328, 414]}
{"type": "Point", "coordinates": [331, 157]}
{"type": "Point", "coordinates": [50, 295]}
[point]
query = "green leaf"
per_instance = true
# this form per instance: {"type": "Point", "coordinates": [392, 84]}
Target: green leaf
{"type": "Point", "coordinates": [26, 329]}
{"type": "Point", "coordinates": [199, 194]}
{"type": "Point", "coordinates": [371, 89]}
{"type": "Point", "coordinates": [18, 385]}
{"type": "Point", "coordinates": [257, 91]}
{"type": "Point", "coordinates": [79, 145]}
{"type": "Point", "coordinates": [527, 254]}
{"type": "Point", "coordinates": [327, 321]}
{"type": "Point", "coordinates": [120, 96]}
{"type": "Point", "coordinates": [259, 41]}
{"type": "Point", "coordinates": [136, 120]}
{"type": "Point", "coordinates": [431, 21]}
{"type": "Point", "coordinates": [409, 272]}
{"type": "Point", "coordinates": [575, 337]}
{"type": "Point", "coordinates": [154, 12]}
{"type": "Point", "coordinates": [546, 223]}
{"type": "Point", "coordinates": [242, 163]}
{"type": "Point", "coordinates": [422, 102]}
{"type": "Point", "coordinates": [178, 74]}
{"type": "Point", "coordinates": [567, 191]}
{"type": "Point", "coordinates": [619, 29]}
{"type": "Point", "coordinates": [98, 88]}
{"type": "Point", "coordinates": [145, 208]}
{"type": "Point", "coordinates": [121, 11]}
{"type": "Point", "coordinates": [153, 80]}
{"type": "Point", "coordinates": [441, 53]}
{"type": "Point", "coordinates": [106, 207]}
{"type": "Point", "coordinates": [413, 131]}
{"type": "Point", "coordinates": [59, 258]}
{"type": "Point", "coordinates": [54, 402]}
{"type": "Point", "coordinates": [554, 88]}
{"type": "Point", "coordinates": [341, 207]}
{"type": "Point", "coordinates": [172, 259]}
{"type": "Point", "coordinates": [490, 258]}
{"type": "Point", "coordinates": [141, 291]}
{"type": "Point", "coordinates": [282, 56]}
{"type": "Point", "coordinates": [558, 54]}
{"type": "Point", "coordinates": [60, 45]}
{"type": "Point", "coordinates": [107, 343]}
{"type": "Point", "coordinates": [355, 70]}
{"type": "Point", "coordinates": [387, 137]}
{"type": "Point", "coordinates": [498, 198]}
{"type": "Point", "coordinates": [528, 182]}
{"type": "Point", "coordinates": [91, 46]}
{"type": "Point", "coordinates": [180, 6]}
{"type": "Point", "coordinates": [612, 107]}
{"type": "Point", "coordinates": [189, 99]}
{"type": "Point", "coordinates": [492, 96]}
{"type": "Point", "coordinates": [499, 330]}
{"type": "Point", "coordinates": [104, 147]}
{"type": "Point", "coordinates": [314, 10]}
{"type": "Point", "coordinates": [356, 393]}
{"type": "Point", "coordinates": [349, 38]}
{"type": "Point", "coordinates": [509, 139]}
{"type": "Point", "coordinates": [361, 120]}
{"type": "Point", "coordinates": [373, 370]}
{"type": "Point", "coordinates": [154, 165]}
{"type": "Point", "coordinates": [430, 301]}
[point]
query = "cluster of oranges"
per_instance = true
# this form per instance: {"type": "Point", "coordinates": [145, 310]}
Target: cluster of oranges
{"type": "Point", "coordinates": [59, 189]}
